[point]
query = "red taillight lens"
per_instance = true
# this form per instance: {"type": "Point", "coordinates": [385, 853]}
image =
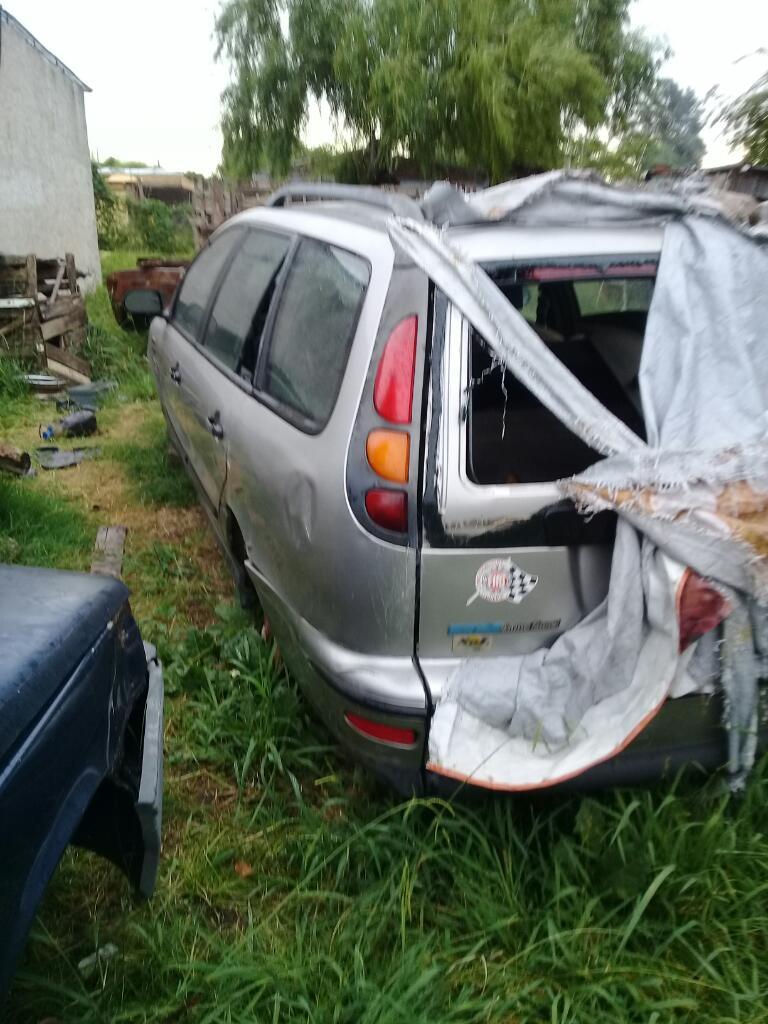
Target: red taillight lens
{"type": "Point", "coordinates": [393, 387]}
{"type": "Point", "coordinates": [388, 509]}
{"type": "Point", "coordinates": [700, 607]}
{"type": "Point", "coordinates": [391, 734]}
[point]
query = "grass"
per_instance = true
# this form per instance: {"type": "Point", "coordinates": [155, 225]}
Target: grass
{"type": "Point", "coordinates": [294, 888]}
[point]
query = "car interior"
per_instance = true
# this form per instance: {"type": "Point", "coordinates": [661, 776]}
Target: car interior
{"type": "Point", "coordinates": [595, 327]}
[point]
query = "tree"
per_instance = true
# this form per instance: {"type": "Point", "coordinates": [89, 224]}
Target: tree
{"type": "Point", "coordinates": [671, 118]}
{"type": "Point", "coordinates": [747, 121]}
{"type": "Point", "coordinates": [498, 85]}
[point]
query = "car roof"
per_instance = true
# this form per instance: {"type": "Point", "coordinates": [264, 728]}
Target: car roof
{"type": "Point", "coordinates": [489, 242]}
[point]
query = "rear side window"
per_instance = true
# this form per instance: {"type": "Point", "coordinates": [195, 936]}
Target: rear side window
{"type": "Point", "coordinates": [240, 309]}
{"type": "Point", "coordinates": [199, 282]}
{"type": "Point", "coordinates": [314, 328]}
{"type": "Point", "coordinates": [593, 319]}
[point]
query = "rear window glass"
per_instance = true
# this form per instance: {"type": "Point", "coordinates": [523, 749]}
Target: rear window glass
{"type": "Point", "coordinates": [512, 438]}
{"type": "Point", "coordinates": [240, 309]}
{"type": "Point", "coordinates": [314, 328]}
{"type": "Point", "coordinates": [199, 282]}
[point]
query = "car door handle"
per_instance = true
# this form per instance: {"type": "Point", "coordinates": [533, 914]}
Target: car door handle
{"type": "Point", "coordinates": [215, 424]}
{"type": "Point", "coordinates": [175, 373]}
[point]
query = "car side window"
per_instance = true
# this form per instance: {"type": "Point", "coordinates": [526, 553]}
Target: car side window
{"type": "Point", "coordinates": [199, 282]}
{"type": "Point", "coordinates": [313, 329]}
{"type": "Point", "coordinates": [240, 309]}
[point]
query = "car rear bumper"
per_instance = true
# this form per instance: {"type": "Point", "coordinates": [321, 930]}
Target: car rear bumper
{"type": "Point", "coordinates": [687, 731]}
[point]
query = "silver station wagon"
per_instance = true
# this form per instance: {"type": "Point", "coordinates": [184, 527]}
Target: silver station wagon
{"type": "Point", "coordinates": [350, 435]}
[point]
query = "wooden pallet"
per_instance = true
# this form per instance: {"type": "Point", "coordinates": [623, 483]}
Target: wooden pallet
{"type": "Point", "coordinates": [42, 310]}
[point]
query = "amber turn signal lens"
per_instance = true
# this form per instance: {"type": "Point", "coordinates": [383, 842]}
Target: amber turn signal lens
{"type": "Point", "coordinates": [387, 452]}
{"type": "Point", "coordinates": [388, 509]}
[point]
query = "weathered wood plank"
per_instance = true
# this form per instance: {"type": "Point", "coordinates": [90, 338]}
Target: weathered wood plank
{"type": "Point", "coordinates": [31, 277]}
{"type": "Point", "coordinates": [57, 283]}
{"type": "Point", "coordinates": [60, 324]}
{"type": "Point", "coordinates": [108, 550]}
{"type": "Point", "coordinates": [66, 358]}
{"type": "Point", "coordinates": [64, 305]}
{"type": "Point", "coordinates": [17, 302]}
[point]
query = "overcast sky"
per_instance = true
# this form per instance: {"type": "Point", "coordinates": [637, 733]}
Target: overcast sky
{"type": "Point", "coordinates": [156, 86]}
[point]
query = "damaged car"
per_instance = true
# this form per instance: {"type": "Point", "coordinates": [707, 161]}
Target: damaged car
{"type": "Point", "coordinates": [81, 732]}
{"type": "Point", "coordinates": [382, 458]}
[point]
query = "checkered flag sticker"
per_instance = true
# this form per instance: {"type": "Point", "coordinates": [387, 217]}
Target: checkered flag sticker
{"type": "Point", "coordinates": [500, 579]}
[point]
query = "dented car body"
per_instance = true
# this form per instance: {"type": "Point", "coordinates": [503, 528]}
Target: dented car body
{"type": "Point", "coordinates": [81, 713]}
{"type": "Point", "coordinates": [382, 481]}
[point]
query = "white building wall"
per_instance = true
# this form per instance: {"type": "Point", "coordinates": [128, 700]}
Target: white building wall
{"type": "Point", "coordinates": [46, 192]}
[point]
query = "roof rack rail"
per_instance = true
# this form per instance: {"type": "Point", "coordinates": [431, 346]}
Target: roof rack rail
{"type": "Point", "coordinates": [395, 202]}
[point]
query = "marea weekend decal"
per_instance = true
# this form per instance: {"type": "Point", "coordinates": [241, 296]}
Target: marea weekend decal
{"type": "Point", "coordinates": [500, 579]}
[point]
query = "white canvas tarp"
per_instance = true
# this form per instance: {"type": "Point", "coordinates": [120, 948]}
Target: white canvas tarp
{"type": "Point", "coordinates": [696, 492]}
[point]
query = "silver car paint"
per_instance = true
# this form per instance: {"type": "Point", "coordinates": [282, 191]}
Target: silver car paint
{"type": "Point", "coordinates": [342, 602]}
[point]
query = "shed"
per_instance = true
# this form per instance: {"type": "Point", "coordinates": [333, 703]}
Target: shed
{"type": "Point", "coordinates": [46, 188]}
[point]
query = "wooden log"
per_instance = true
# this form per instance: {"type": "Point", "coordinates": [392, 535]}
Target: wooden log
{"type": "Point", "coordinates": [14, 460]}
{"type": "Point", "coordinates": [108, 551]}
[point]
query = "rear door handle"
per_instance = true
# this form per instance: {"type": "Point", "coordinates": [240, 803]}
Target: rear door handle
{"type": "Point", "coordinates": [175, 374]}
{"type": "Point", "coordinates": [215, 424]}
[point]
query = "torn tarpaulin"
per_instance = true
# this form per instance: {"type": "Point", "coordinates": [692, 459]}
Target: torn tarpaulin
{"type": "Point", "coordinates": [697, 493]}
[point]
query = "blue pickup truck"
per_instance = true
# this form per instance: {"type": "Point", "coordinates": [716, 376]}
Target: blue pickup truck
{"type": "Point", "coordinates": [81, 725]}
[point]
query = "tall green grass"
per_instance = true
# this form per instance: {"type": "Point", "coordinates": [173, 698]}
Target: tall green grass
{"type": "Point", "coordinates": [294, 888]}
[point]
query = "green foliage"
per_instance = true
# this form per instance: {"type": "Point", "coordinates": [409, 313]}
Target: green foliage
{"type": "Point", "coordinates": [158, 227]}
{"type": "Point", "coordinates": [671, 118]}
{"type": "Point", "coordinates": [41, 528]}
{"type": "Point", "coordinates": [747, 122]}
{"type": "Point", "coordinates": [116, 354]}
{"type": "Point", "coordinates": [154, 475]}
{"type": "Point", "coordinates": [499, 85]}
{"type": "Point", "coordinates": [108, 216]}
{"type": "Point", "coordinates": [147, 224]}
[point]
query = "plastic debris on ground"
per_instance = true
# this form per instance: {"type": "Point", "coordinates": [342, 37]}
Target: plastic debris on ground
{"type": "Point", "coordinates": [77, 424]}
{"type": "Point", "coordinates": [696, 495]}
{"type": "Point", "coordinates": [51, 457]}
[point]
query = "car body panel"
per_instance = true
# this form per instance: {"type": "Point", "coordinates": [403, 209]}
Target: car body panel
{"type": "Point", "coordinates": [85, 766]}
{"type": "Point", "coordinates": [369, 624]}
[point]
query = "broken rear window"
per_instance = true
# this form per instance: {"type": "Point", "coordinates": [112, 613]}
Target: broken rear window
{"type": "Point", "coordinates": [592, 317]}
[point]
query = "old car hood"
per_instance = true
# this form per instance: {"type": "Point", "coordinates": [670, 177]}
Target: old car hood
{"type": "Point", "coordinates": [48, 620]}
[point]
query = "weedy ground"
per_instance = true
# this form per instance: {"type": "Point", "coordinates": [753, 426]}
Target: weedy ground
{"type": "Point", "coordinates": [292, 886]}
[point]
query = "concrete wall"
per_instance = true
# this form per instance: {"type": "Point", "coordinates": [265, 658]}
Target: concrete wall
{"type": "Point", "coordinates": [46, 195]}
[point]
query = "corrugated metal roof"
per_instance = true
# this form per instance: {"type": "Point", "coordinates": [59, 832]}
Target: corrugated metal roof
{"type": "Point", "coordinates": [8, 19]}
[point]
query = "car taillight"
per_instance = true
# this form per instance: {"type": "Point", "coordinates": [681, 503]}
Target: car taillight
{"type": "Point", "coordinates": [388, 509]}
{"type": "Point", "coordinates": [700, 607]}
{"type": "Point", "coordinates": [393, 388]}
{"type": "Point", "coordinates": [391, 734]}
{"type": "Point", "coordinates": [389, 451]}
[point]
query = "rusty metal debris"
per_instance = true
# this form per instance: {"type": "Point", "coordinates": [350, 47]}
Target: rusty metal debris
{"type": "Point", "coordinates": [162, 276]}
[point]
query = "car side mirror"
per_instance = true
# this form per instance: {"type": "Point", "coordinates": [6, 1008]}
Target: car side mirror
{"type": "Point", "coordinates": [143, 302]}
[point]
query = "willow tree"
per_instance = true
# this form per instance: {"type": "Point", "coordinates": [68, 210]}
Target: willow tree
{"type": "Point", "coordinates": [747, 121]}
{"type": "Point", "coordinates": [497, 85]}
